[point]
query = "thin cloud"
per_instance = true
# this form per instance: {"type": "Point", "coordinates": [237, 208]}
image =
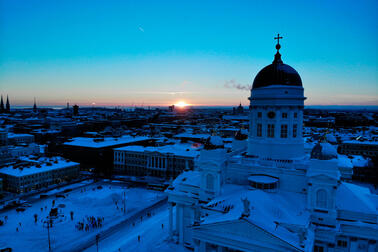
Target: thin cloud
{"type": "Point", "coordinates": [234, 84]}
{"type": "Point", "coordinates": [141, 29]}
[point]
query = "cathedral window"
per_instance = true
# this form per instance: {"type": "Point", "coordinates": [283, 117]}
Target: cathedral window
{"type": "Point", "coordinates": [295, 128]}
{"type": "Point", "coordinates": [284, 131]}
{"type": "Point", "coordinates": [210, 182]}
{"type": "Point", "coordinates": [259, 129]}
{"type": "Point", "coordinates": [295, 115]}
{"type": "Point", "coordinates": [259, 114]}
{"type": "Point", "coordinates": [284, 115]}
{"type": "Point", "coordinates": [318, 248]}
{"type": "Point", "coordinates": [321, 198]}
{"type": "Point", "coordinates": [342, 243]}
{"type": "Point", "coordinates": [270, 130]}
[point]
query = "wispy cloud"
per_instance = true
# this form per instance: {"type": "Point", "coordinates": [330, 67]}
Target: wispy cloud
{"type": "Point", "coordinates": [161, 92]}
{"type": "Point", "coordinates": [141, 28]}
{"type": "Point", "coordinates": [234, 84]}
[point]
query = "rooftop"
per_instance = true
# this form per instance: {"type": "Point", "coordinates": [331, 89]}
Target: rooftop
{"type": "Point", "coordinates": [104, 142]}
{"type": "Point", "coordinates": [47, 164]}
{"type": "Point", "coordinates": [184, 150]}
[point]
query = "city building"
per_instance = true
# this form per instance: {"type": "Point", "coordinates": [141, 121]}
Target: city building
{"type": "Point", "coordinates": [355, 147]}
{"type": "Point", "coordinates": [98, 152]}
{"type": "Point", "coordinates": [163, 161]}
{"type": "Point", "coordinates": [20, 138]}
{"type": "Point", "coordinates": [38, 173]}
{"type": "Point", "coordinates": [272, 196]}
{"type": "Point", "coordinates": [24, 150]}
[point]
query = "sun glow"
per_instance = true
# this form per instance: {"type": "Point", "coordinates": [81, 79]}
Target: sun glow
{"type": "Point", "coordinates": [181, 104]}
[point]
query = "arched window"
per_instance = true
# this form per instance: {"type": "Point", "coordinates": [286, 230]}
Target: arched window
{"type": "Point", "coordinates": [210, 182]}
{"type": "Point", "coordinates": [321, 198]}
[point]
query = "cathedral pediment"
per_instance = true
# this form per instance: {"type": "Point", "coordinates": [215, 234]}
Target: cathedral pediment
{"type": "Point", "coordinates": [321, 175]}
{"type": "Point", "coordinates": [245, 235]}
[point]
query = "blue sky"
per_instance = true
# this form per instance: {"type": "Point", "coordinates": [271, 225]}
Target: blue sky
{"type": "Point", "coordinates": [160, 52]}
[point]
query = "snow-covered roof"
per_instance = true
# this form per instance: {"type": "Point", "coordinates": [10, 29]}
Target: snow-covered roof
{"type": "Point", "coordinates": [13, 135]}
{"type": "Point", "coordinates": [359, 161]}
{"type": "Point", "coordinates": [331, 138]}
{"type": "Point", "coordinates": [344, 161]}
{"type": "Point", "coordinates": [47, 164]}
{"type": "Point", "coordinates": [361, 142]}
{"type": "Point", "coordinates": [194, 136]}
{"type": "Point", "coordinates": [270, 211]}
{"type": "Point", "coordinates": [191, 178]}
{"type": "Point", "coordinates": [356, 198]}
{"type": "Point", "coordinates": [184, 150]}
{"type": "Point", "coordinates": [262, 179]}
{"type": "Point", "coordinates": [105, 142]}
{"type": "Point", "coordinates": [186, 184]}
{"type": "Point", "coordinates": [216, 140]}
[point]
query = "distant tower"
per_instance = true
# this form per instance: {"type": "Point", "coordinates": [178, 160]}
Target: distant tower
{"type": "Point", "coordinates": [35, 106]}
{"type": "Point", "coordinates": [75, 110]}
{"type": "Point", "coordinates": [68, 105]}
{"type": "Point", "coordinates": [276, 112]}
{"type": "Point", "coordinates": [7, 107]}
{"type": "Point", "coordinates": [2, 105]}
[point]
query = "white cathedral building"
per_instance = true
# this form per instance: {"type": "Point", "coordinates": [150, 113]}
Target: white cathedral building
{"type": "Point", "coordinates": [268, 194]}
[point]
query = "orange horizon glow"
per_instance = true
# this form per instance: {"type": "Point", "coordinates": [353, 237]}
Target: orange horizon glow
{"type": "Point", "coordinates": [181, 104]}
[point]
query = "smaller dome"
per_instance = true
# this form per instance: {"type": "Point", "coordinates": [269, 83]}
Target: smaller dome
{"type": "Point", "coordinates": [214, 142]}
{"type": "Point", "coordinates": [323, 151]}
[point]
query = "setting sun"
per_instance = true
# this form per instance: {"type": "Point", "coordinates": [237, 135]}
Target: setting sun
{"type": "Point", "coordinates": [181, 104]}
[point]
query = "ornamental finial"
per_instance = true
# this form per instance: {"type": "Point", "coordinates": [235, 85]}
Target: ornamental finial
{"type": "Point", "coordinates": [277, 57]}
{"type": "Point", "coordinates": [278, 46]}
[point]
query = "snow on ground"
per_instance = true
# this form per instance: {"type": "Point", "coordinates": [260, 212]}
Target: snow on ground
{"type": "Point", "coordinates": [87, 201]}
{"type": "Point", "coordinates": [153, 237]}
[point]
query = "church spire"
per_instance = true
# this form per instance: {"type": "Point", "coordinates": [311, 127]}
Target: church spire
{"type": "Point", "coordinates": [35, 106]}
{"type": "Point", "coordinates": [2, 104]}
{"type": "Point", "coordinates": [7, 106]}
{"type": "Point", "coordinates": [277, 57]}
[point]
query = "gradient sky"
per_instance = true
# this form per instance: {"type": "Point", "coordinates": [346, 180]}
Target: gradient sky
{"type": "Point", "coordinates": [159, 52]}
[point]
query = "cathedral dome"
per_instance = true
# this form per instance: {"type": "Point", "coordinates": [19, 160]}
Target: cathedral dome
{"type": "Point", "coordinates": [323, 151]}
{"type": "Point", "coordinates": [277, 73]}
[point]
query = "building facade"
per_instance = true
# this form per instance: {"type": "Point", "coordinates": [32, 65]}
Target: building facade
{"type": "Point", "coordinates": [37, 174]}
{"type": "Point", "coordinates": [165, 161]}
{"type": "Point", "coordinates": [366, 149]}
{"type": "Point", "coordinates": [20, 138]}
{"type": "Point", "coordinates": [98, 153]}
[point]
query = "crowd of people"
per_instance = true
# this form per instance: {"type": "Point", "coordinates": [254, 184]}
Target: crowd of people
{"type": "Point", "coordinates": [90, 222]}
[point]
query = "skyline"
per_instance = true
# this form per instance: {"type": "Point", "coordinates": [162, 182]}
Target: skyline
{"type": "Point", "coordinates": [204, 54]}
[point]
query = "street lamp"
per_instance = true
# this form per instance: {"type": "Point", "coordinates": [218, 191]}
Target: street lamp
{"type": "Point", "coordinates": [47, 223]}
{"type": "Point", "coordinates": [97, 240]}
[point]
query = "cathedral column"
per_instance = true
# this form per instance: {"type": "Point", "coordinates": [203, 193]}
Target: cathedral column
{"type": "Point", "coordinates": [177, 230]}
{"type": "Point", "coordinates": [170, 207]}
{"type": "Point", "coordinates": [202, 246]}
{"type": "Point", "coordinates": [181, 226]}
